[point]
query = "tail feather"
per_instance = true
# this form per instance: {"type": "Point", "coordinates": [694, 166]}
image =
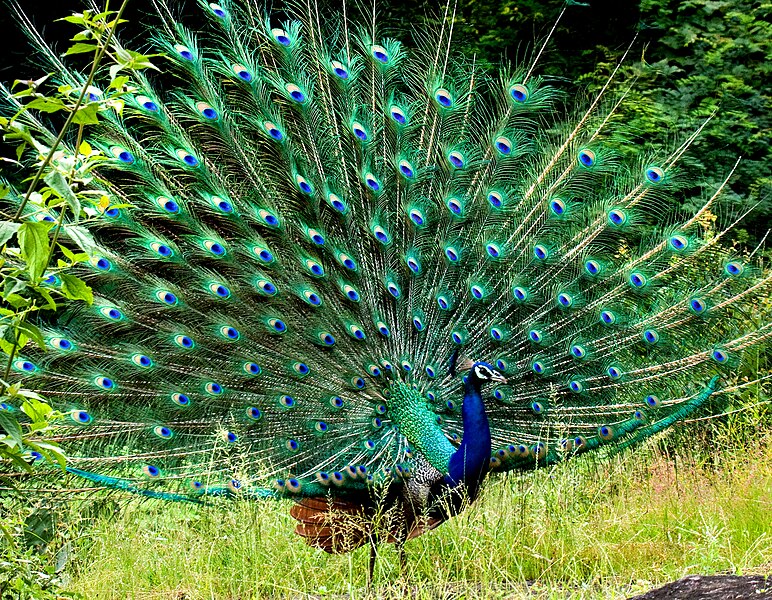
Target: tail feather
{"type": "Point", "coordinates": [306, 212]}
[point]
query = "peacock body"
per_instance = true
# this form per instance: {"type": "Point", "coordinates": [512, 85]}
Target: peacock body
{"type": "Point", "coordinates": [312, 221]}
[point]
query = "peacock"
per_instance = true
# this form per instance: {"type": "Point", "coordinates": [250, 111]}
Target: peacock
{"type": "Point", "coordinates": [363, 276]}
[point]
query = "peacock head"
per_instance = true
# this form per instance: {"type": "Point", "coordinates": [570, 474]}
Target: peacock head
{"type": "Point", "coordinates": [482, 372]}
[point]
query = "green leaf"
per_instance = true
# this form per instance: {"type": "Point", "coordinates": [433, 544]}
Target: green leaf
{"type": "Point", "coordinates": [67, 252]}
{"type": "Point", "coordinates": [75, 288]}
{"type": "Point", "coordinates": [50, 451]}
{"type": "Point", "coordinates": [80, 48]}
{"type": "Point", "coordinates": [20, 150]}
{"type": "Point", "coordinates": [50, 303]}
{"type": "Point", "coordinates": [13, 454]}
{"type": "Point", "coordinates": [86, 115]}
{"type": "Point", "coordinates": [34, 407]}
{"type": "Point", "coordinates": [6, 346]}
{"type": "Point", "coordinates": [11, 427]}
{"type": "Point", "coordinates": [33, 241]}
{"type": "Point", "coordinates": [7, 229]}
{"type": "Point", "coordinates": [83, 36]}
{"type": "Point", "coordinates": [83, 238]}
{"type": "Point", "coordinates": [12, 285]}
{"type": "Point", "coordinates": [77, 18]}
{"type": "Point", "coordinates": [115, 69]}
{"type": "Point", "coordinates": [119, 82]}
{"type": "Point", "coordinates": [46, 104]}
{"type": "Point", "coordinates": [33, 333]}
{"type": "Point", "coordinates": [17, 301]}
{"type": "Point", "coordinates": [59, 184]}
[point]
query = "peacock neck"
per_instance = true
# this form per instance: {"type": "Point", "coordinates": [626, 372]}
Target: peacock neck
{"type": "Point", "coordinates": [471, 461]}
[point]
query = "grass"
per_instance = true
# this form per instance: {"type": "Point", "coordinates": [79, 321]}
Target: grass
{"type": "Point", "coordinates": [605, 529]}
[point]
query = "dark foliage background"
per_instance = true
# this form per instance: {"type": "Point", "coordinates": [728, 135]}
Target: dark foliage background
{"type": "Point", "coordinates": [689, 59]}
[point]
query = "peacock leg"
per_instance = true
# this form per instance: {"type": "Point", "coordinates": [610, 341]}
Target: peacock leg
{"type": "Point", "coordinates": [373, 557]}
{"type": "Point", "coordinates": [400, 545]}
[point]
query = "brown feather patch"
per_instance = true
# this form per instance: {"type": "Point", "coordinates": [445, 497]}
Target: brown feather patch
{"type": "Point", "coordinates": [335, 526]}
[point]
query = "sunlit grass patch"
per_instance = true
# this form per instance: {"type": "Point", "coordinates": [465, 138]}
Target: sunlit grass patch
{"type": "Point", "coordinates": [594, 529]}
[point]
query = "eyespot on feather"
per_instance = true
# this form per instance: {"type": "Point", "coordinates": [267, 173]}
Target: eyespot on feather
{"type": "Point", "coordinates": [519, 93]}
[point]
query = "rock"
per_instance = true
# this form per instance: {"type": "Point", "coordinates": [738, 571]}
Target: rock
{"type": "Point", "coordinates": [716, 587]}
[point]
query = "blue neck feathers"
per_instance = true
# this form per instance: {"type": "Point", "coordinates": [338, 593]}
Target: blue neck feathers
{"type": "Point", "coordinates": [470, 463]}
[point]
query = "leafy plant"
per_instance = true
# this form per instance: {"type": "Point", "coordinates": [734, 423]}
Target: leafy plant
{"type": "Point", "coordinates": [45, 238]}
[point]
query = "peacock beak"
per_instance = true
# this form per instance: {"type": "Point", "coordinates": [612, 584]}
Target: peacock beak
{"type": "Point", "coordinates": [498, 377]}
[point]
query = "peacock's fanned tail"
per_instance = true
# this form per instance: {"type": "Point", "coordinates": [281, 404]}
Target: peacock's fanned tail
{"type": "Point", "coordinates": [306, 223]}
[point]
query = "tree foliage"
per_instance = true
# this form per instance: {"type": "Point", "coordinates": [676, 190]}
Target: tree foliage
{"type": "Point", "coordinates": [689, 60]}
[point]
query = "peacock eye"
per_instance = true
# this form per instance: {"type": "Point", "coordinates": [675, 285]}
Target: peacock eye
{"type": "Point", "coordinates": [417, 217]}
{"type": "Point", "coordinates": [314, 268]}
{"type": "Point", "coordinates": [586, 158]}
{"type": "Point", "coordinates": [183, 341]}
{"type": "Point", "coordinates": [268, 218]}
{"type": "Point", "coordinates": [111, 313]}
{"type": "Point", "coordinates": [142, 361]}
{"type": "Point", "coordinates": [444, 98]}
{"type": "Point", "coordinates": [184, 52]}
{"type": "Point", "coordinates": [187, 158]}
{"type": "Point", "coordinates": [519, 93]}
{"type": "Point", "coordinates": [655, 175]}
{"type": "Point", "coordinates": [273, 130]}
{"type": "Point", "coordinates": [219, 290]}
{"type": "Point", "coordinates": [230, 333]}
{"type": "Point", "coordinates": [326, 338]}
{"type": "Point", "coordinates": [252, 368]}
{"type": "Point", "coordinates": [456, 159]}
{"type": "Point", "coordinates": [215, 247]}
{"type": "Point", "coordinates": [380, 54]}
{"type": "Point", "coordinates": [167, 297]}
{"type": "Point", "coordinates": [295, 93]}
{"type": "Point", "coordinates": [398, 115]}
{"type": "Point", "coordinates": [495, 199]}
{"type": "Point", "coordinates": [503, 145]}
{"type": "Point", "coordinates": [557, 206]}
{"type": "Point", "coordinates": [122, 154]}
{"type": "Point", "coordinates": [162, 250]}
{"type": "Point", "coordinates": [339, 69]}
{"type": "Point", "coordinates": [316, 237]}
{"type": "Point", "coordinates": [413, 264]}
{"type": "Point", "coordinates": [359, 131]}
{"type": "Point", "coordinates": [373, 182]}
{"type": "Point", "coordinates": [304, 185]}
{"type": "Point", "coordinates": [351, 293]}
{"type": "Point", "coordinates": [241, 72]}
{"type": "Point", "coordinates": [592, 267]}
{"type": "Point", "coordinates": [455, 206]}
{"type": "Point", "coordinates": [336, 202]}
{"type": "Point", "coordinates": [381, 235]}
{"type": "Point", "coordinates": [207, 111]}
{"type": "Point", "coordinates": [734, 268]}
{"type": "Point", "coordinates": [281, 37]}
{"type": "Point", "coordinates": [147, 104]}
{"type": "Point", "coordinates": [617, 217]}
